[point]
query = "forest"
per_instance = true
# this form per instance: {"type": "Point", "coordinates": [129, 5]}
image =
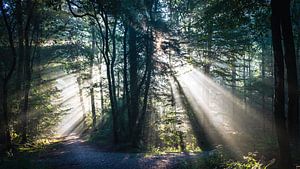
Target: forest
{"type": "Point", "coordinates": [149, 84]}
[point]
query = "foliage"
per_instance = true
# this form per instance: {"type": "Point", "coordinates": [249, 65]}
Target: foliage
{"type": "Point", "coordinates": [208, 160]}
{"type": "Point", "coordinates": [44, 112]}
{"type": "Point", "coordinates": [249, 162]}
{"type": "Point", "coordinates": [218, 159]}
{"type": "Point", "coordinates": [104, 128]}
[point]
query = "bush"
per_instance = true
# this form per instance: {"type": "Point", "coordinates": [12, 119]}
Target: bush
{"type": "Point", "coordinates": [218, 159]}
{"type": "Point", "coordinates": [249, 162]}
{"type": "Point", "coordinates": [209, 160]}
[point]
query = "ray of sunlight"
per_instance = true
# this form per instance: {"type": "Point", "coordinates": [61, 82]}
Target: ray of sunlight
{"type": "Point", "coordinates": [75, 104]}
{"type": "Point", "coordinates": [224, 117]}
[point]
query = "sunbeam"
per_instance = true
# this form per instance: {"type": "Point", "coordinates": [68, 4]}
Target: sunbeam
{"type": "Point", "coordinates": [76, 104]}
{"type": "Point", "coordinates": [224, 117]}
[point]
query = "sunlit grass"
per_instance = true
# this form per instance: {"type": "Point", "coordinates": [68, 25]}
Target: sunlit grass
{"type": "Point", "coordinates": [153, 151]}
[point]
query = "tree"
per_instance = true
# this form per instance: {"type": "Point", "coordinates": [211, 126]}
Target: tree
{"type": "Point", "coordinates": [291, 67]}
{"type": "Point", "coordinates": [6, 75]}
{"type": "Point", "coordinates": [282, 134]}
{"type": "Point", "coordinates": [26, 65]}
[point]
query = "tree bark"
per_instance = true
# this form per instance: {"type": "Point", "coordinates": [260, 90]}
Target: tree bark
{"type": "Point", "coordinates": [109, 69]}
{"type": "Point", "coordinates": [263, 74]}
{"type": "Point", "coordinates": [134, 95]}
{"type": "Point", "coordinates": [148, 71]}
{"type": "Point", "coordinates": [113, 83]}
{"type": "Point", "coordinates": [290, 62]}
{"type": "Point", "coordinates": [126, 96]}
{"type": "Point", "coordinates": [6, 138]}
{"type": "Point", "coordinates": [27, 70]}
{"type": "Point", "coordinates": [4, 118]}
{"type": "Point", "coordinates": [93, 107]}
{"type": "Point", "coordinates": [209, 49]}
{"type": "Point", "coordinates": [279, 114]}
{"type": "Point", "coordinates": [20, 30]}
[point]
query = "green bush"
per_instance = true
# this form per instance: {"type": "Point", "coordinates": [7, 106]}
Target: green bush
{"type": "Point", "coordinates": [209, 160]}
{"type": "Point", "coordinates": [250, 162]}
{"type": "Point", "coordinates": [218, 159]}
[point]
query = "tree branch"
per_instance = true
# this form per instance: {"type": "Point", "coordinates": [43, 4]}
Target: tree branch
{"type": "Point", "coordinates": [70, 3]}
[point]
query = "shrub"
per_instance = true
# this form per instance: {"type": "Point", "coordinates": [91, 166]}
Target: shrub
{"type": "Point", "coordinates": [250, 162]}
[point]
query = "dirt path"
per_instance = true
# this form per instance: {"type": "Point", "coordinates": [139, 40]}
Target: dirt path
{"type": "Point", "coordinates": [75, 153]}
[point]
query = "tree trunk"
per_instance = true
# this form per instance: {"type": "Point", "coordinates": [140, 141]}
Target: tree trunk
{"type": "Point", "coordinates": [4, 118]}
{"type": "Point", "coordinates": [233, 88]}
{"type": "Point", "coordinates": [113, 83]}
{"type": "Point", "coordinates": [80, 83]}
{"type": "Point", "coordinates": [5, 136]}
{"type": "Point", "coordinates": [290, 61]}
{"type": "Point", "coordinates": [134, 95]}
{"type": "Point", "coordinates": [20, 29]}
{"type": "Point", "coordinates": [93, 107]}
{"type": "Point", "coordinates": [209, 49]}
{"type": "Point", "coordinates": [27, 72]}
{"type": "Point", "coordinates": [20, 80]}
{"type": "Point", "coordinates": [27, 83]}
{"type": "Point", "coordinates": [148, 71]}
{"type": "Point", "coordinates": [126, 96]}
{"type": "Point", "coordinates": [101, 83]}
{"type": "Point", "coordinates": [101, 92]}
{"type": "Point", "coordinates": [279, 115]}
{"type": "Point", "coordinates": [109, 69]}
{"type": "Point", "coordinates": [263, 72]}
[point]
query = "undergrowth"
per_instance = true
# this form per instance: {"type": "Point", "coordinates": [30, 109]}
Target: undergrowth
{"type": "Point", "coordinates": [218, 159]}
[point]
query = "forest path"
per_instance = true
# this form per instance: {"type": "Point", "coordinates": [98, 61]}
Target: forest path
{"type": "Point", "coordinates": [76, 153]}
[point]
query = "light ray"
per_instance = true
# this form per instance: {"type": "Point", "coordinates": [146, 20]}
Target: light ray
{"type": "Point", "coordinates": [70, 100]}
{"type": "Point", "coordinates": [225, 118]}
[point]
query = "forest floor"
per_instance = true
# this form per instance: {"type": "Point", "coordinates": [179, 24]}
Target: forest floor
{"type": "Point", "coordinates": [76, 153]}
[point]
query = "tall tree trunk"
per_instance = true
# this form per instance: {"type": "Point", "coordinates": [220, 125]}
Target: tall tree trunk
{"type": "Point", "coordinates": [113, 81]}
{"type": "Point", "coordinates": [279, 115]}
{"type": "Point", "coordinates": [101, 83]}
{"type": "Point", "coordinates": [126, 96]}
{"type": "Point", "coordinates": [209, 49]}
{"type": "Point", "coordinates": [27, 71]}
{"type": "Point", "coordinates": [101, 90]}
{"type": "Point", "coordinates": [80, 83]}
{"type": "Point", "coordinates": [290, 61]}
{"type": "Point", "coordinates": [4, 118]}
{"type": "Point", "coordinates": [233, 88]}
{"type": "Point", "coordinates": [20, 30]}
{"type": "Point", "coordinates": [5, 131]}
{"type": "Point", "coordinates": [245, 84]}
{"type": "Point", "coordinates": [263, 72]}
{"type": "Point", "coordinates": [134, 95]}
{"type": "Point", "coordinates": [109, 69]}
{"type": "Point", "coordinates": [93, 107]}
{"type": "Point", "coordinates": [148, 71]}
{"type": "Point", "coordinates": [20, 80]}
{"type": "Point", "coordinates": [26, 89]}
